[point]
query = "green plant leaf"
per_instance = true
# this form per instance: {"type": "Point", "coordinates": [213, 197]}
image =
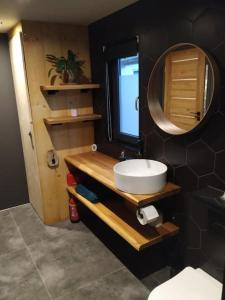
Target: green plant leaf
{"type": "Point", "coordinates": [52, 81]}
{"type": "Point", "coordinates": [71, 56]}
{"type": "Point", "coordinates": [71, 64]}
{"type": "Point", "coordinates": [50, 55]}
{"type": "Point", "coordinates": [50, 71]}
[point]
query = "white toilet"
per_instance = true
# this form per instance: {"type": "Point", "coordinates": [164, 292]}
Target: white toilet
{"type": "Point", "coordinates": [189, 284]}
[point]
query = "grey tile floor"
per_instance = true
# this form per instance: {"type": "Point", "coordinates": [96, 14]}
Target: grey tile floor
{"type": "Point", "coordinates": [65, 261]}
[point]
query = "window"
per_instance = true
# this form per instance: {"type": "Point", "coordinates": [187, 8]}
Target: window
{"type": "Point", "coordinates": [123, 82]}
{"type": "Point", "coordinates": [128, 96]}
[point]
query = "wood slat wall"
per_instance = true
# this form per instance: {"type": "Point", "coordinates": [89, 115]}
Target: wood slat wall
{"type": "Point", "coordinates": [39, 39]}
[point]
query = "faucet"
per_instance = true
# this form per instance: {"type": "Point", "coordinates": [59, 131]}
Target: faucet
{"type": "Point", "coordinates": [122, 156]}
{"type": "Point", "coordinates": [138, 151]}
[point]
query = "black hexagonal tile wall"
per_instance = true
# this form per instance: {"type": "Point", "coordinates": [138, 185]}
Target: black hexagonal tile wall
{"type": "Point", "coordinates": [200, 158]}
{"type": "Point", "coordinates": [192, 14]}
{"type": "Point", "coordinates": [170, 170]}
{"type": "Point", "coordinates": [198, 211]}
{"type": "Point", "coordinates": [160, 25]}
{"type": "Point", "coordinates": [146, 64]}
{"type": "Point", "coordinates": [222, 102]}
{"type": "Point", "coordinates": [211, 180]}
{"type": "Point", "coordinates": [177, 29]}
{"type": "Point", "coordinates": [175, 151]}
{"type": "Point", "coordinates": [209, 29]}
{"type": "Point", "coordinates": [220, 165]}
{"type": "Point", "coordinates": [213, 137]}
{"type": "Point", "coordinates": [155, 146]}
{"type": "Point", "coordinates": [156, 40]}
{"type": "Point", "coordinates": [146, 123]}
{"type": "Point", "coordinates": [194, 234]}
{"type": "Point", "coordinates": [186, 178]}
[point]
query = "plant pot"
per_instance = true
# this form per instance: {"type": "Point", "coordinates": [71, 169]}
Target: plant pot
{"type": "Point", "coordinates": [65, 77]}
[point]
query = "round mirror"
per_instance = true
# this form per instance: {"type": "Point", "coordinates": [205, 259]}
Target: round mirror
{"type": "Point", "coordinates": [181, 88]}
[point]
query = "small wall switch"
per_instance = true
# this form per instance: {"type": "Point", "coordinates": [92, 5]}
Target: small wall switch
{"type": "Point", "coordinates": [74, 112]}
{"type": "Point", "coordinates": [73, 109]}
{"type": "Point", "coordinates": [52, 159]}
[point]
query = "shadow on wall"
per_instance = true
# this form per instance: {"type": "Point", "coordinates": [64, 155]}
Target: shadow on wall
{"type": "Point", "coordinates": [68, 133]}
{"type": "Point", "coordinates": [60, 101]}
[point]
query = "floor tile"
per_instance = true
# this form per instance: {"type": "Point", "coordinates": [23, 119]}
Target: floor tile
{"type": "Point", "coordinates": [34, 231]}
{"type": "Point", "coordinates": [71, 249]}
{"type": "Point", "coordinates": [19, 278]}
{"type": "Point", "coordinates": [118, 285]}
{"type": "Point", "coordinates": [31, 227]}
{"type": "Point", "coordinates": [68, 257]}
{"type": "Point", "coordinates": [149, 282]}
{"type": "Point", "coordinates": [162, 275]}
{"type": "Point", "coordinates": [10, 237]}
{"type": "Point", "coordinates": [72, 266]}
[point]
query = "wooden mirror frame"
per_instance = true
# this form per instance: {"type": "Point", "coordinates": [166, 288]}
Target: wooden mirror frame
{"type": "Point", "coordinates": [153, 96]}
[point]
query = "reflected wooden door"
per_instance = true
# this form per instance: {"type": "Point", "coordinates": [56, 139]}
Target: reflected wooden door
{"type": "Point", "coordinates": [184, 87]}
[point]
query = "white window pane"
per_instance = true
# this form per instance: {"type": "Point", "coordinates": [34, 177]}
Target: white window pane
{"type": "Point", "coordinates": [128, 94]}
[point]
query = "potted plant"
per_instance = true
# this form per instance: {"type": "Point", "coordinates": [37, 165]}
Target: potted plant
{"type": "Point", "coordinates": [67, 69]}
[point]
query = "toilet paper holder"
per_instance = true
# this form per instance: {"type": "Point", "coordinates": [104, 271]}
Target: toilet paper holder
{"type": "Point", "coordinates": [149, 215]}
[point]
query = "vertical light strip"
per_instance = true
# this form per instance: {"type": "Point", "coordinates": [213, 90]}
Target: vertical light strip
{"type": "Point", "coordinates": [108, 103]}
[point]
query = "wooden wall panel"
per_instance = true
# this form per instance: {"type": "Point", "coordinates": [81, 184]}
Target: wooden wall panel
{"type": "Point", "coordinates": [47, 38]}
{"type": "Point", "coordinates": [25, 121]}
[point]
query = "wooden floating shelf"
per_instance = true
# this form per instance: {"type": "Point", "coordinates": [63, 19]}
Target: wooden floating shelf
{"type": "Point", "coordinates": [67, 87]}
{"type": "Point", "coordinates": [70, 119]}
{"type": "Point", "coordinates": [125, 224]}
{"type": "Point", "coordinates": [100, 167]}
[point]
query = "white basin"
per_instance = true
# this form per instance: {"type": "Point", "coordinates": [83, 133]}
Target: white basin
{"type": "Point", "coordinates": [140, 176]}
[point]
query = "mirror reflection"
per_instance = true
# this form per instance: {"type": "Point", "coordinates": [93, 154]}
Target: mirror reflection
{"type": "Point", "coordinates": [182, 83]}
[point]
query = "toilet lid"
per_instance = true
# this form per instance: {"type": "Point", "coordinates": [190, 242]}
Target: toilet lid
{"type": "Point", "coordinates": [188, 284]}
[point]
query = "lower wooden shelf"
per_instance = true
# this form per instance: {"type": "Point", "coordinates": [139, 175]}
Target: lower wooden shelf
{"type": "Point", "coordinates": [71, 119]}
{"type": "Point", "coordinates": [123, 222]}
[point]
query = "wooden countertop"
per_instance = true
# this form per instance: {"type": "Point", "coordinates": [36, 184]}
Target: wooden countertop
{"type": "Point", "coordinates": [100, 167]}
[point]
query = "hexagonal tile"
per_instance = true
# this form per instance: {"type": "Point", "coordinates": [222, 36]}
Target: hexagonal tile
{"type": "Point", "coordinates": [146, 65]}
{"type": "Point", "coordinates": [193, 257]}
{"type": "Point", "coordinates": [175, 151]}
{"type": "Point", "coordinates": [218, 54]}
{"type": "Point", "coordinates": [209, 29]}
{"type": "Point", "coordinates": [222, 95]}
{"type": "Point", "coordinates": [179, 28]}
{"type": "Point", "coordinates": [211, 180]}
{"type": "Point", "coordinates": [146, 122]}
{"type": "Point", "coordinates": [198, 211]}
{"type": "Point", "coordinates": [192, 12]}
{"type": "Point", "coordinates": [186, 178]}
{"type": "Point", "coordinates": [155, 146]}
{"type": "Point", "coordinates": [220, 165]}
{"type": "Point", "coordinates": [194, 234]}
{"type": "Point", "coordinates": [155, 41]}
{"type": "Point", "coordinates": [200, 158]}
{"type": "Point", "coordinates": [213, 245]}
{"type": "Point", "coordinates": [213, 135]}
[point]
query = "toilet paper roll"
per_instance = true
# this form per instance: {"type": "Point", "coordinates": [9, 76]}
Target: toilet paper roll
{"type": "Point", "coordinates": [147, 215]}
{"type": "Point", "coordinates": [94, 147]}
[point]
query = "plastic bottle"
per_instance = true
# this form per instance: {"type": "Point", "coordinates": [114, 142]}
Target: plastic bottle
{"type": "Point", "coordinates": [74, 215]}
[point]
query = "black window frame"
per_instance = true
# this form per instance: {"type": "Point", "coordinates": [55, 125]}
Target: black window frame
{"type": "Point", "coordinates": [113, 69]}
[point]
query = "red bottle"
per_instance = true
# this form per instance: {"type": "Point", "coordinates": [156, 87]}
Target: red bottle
{"type": "Point", "coordinates": [74, 215]}
{"type": "Point", "coordinates": [71, 181]}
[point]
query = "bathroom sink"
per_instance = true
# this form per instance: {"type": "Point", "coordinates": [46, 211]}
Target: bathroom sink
{"type": "Point", "coordinates": [140, 176]}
